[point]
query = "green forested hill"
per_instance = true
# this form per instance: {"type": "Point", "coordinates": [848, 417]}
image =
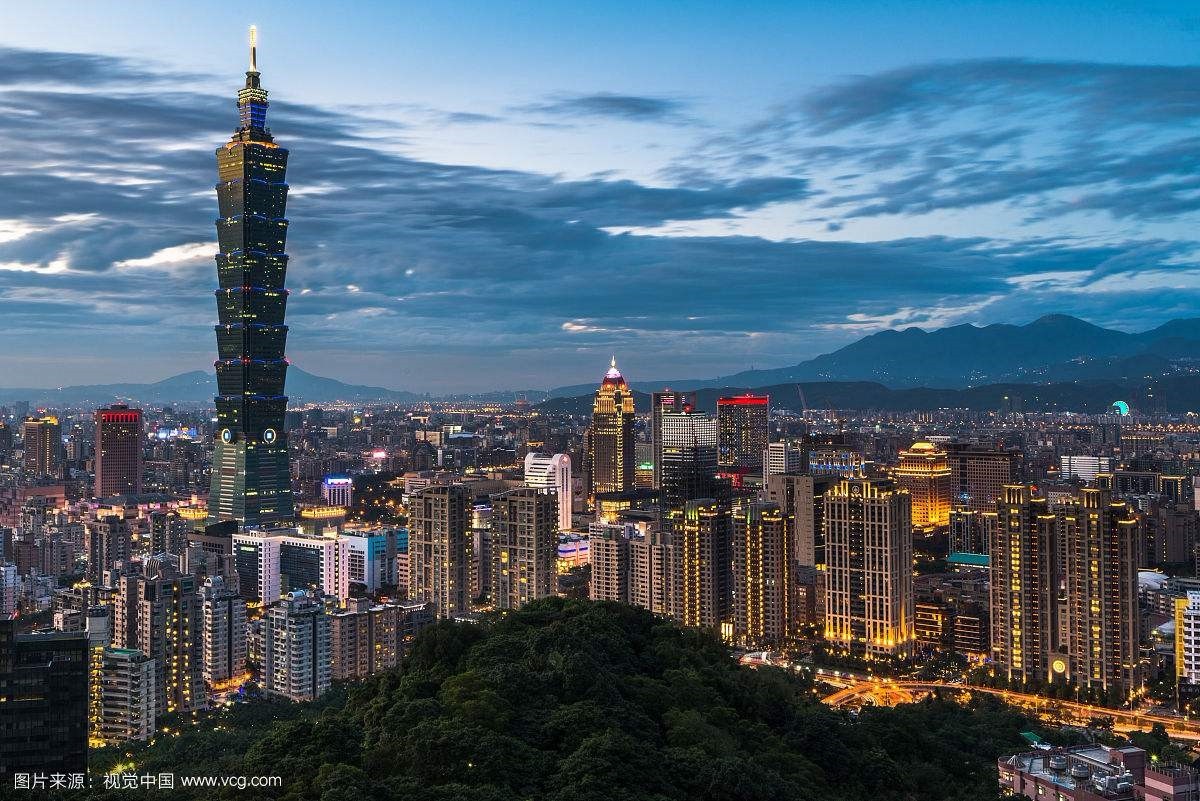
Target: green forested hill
{"type": "Point", "coordinates": [580, 701]}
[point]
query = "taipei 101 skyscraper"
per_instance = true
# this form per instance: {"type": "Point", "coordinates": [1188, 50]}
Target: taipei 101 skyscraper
{"type": "Point", "coordinates": [251, 482]}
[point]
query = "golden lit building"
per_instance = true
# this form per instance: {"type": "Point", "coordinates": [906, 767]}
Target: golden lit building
{"type": "Point", "coordinates": [924, 471]}
{"type": "Point", "coordinates": [611, 461]}
{"type": "Point", "coordinates": [763, 613]}
{"type": "Point", "coordinates": [869, 604]}
{"type": "Point", "coordinates": [704, 538]}
{"type": "Point", "coordinates": [43, 446]}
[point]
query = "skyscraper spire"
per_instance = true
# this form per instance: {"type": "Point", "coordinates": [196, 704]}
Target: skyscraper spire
{"type": "Point", "coordinates": [252, 100]}
{"type": "Point", "coordinates": [254, 48]}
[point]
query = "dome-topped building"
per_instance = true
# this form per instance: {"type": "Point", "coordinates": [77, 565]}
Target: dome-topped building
{"type": "Point", "coordinates": [610, 443]}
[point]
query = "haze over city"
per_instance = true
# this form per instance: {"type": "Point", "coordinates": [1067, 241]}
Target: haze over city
{"type": "Point", "coordinates": [500, 196]}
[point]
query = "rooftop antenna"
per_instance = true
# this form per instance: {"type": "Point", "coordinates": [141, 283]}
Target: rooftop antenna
{"type": "Point", "coordinates": [254, 48]}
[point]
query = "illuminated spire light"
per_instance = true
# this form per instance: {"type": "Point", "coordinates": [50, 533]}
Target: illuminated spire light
{"type": "Point", "coordinates": [254, 48]}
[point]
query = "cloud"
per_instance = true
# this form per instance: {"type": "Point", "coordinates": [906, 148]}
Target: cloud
{"type": "Point", "coordinates": [422, 275]}
{"type": "Point", "coordinates": [631, 108]}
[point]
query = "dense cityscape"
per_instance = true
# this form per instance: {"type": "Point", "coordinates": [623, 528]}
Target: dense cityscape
{"type": "Point", "coordinates": [170, 568]}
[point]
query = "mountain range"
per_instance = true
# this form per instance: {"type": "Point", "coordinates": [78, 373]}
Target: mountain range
{"type": "Point", "coordinates": [199, 387]}
{"type": "Point", "coordinates": [1051, 349]}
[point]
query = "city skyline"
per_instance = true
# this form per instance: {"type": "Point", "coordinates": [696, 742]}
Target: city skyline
{"type": "Point", "coordinates": [854, 189]}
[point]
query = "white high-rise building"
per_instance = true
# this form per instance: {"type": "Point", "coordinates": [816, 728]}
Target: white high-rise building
{"type": "Point", "coordinates": [223, 631]}
{"type": "Point", "coordinates": [552, 474]}
{"type": "Point", "coordinates": [297, 648]}
{"type": "Point", "coordinates": [127, 693]}
{"type": "Point", "coordinates": [338, 490]}
{"type": "Point", "coordinates": [256, 557]}
{"type": "Point", "coordinates": [1187, 638]}
{"type": "Point", "coordinates": [1085, 468]}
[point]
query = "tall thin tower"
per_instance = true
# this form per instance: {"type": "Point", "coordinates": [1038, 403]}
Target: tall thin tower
{"type": "Point", "coordinates": [250, 477]}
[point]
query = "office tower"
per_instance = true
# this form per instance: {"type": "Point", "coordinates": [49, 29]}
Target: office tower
{"type": "Point", "coordinates": [763, 558]}
{"type": "Point", "coordinates": [1171, 533]}
{"type": "Point", "coordinates": [158, 613]}
{"type": "Point", "coordinates": [660, 403]}
{"type": "Point", "coordinates": [971, 530]}
{"type": "Point", "coordinates": [869, 591]}
{"type": "Point", "coordinates": [297, 648]}
{"type": "Point", "coordinates": [833, 460]}
{"type": "Point", "coordinates": [439, 548]}
{"type": "Point", "coordinates": [256, 559]}
{"type": "Point", "coordinates": [338, 491]}
{"type": "Point", "coordinates": [251, 482]}
{"type": "Point", "coordinates": [643, 474]}
{"type": "Point", "coordinates": [782, 457]}
{"type": "Point", "coordinates": [118, 451]}
{"type": "Point", "coordinates": [704, 538]}
{"type": "Point", "coordinates": [552, 475]}
{"type": "Point", "coordinates": [656, 574]}
{"type": "Point", "coordinates": [127, 696]}
{"type": "Point", "coordinates": [610, 451]}
{"type": "Point", "coordinates": [1025, 585]}
{"type": "Point", "coordinates": [745, 427]}
{"type": "Point", "coordinates": [1101, 544]}
{"type": "Point", "coordinates": [44, 697]}
{"type": "Point", "coordinates": [608, 551]}
{"type": "Point", "coordinates": [308, 563]}
{"type": "Point", "coordinates": [925, 473]}
{"type": "Point", "coordinates": [43, 446]}
{"type": "Point", "coordinates": [10, 582]}
{"type": "Point", "coordinates": [688, 458]}
{"type": "Point", "coordinates": [524, 545]}
{"type": "Point", "coordinates": [109, 541]}
{"type": "Point", "coordinates": [978, 475]}
{"type": "Point", "coordinates": [223, 635]}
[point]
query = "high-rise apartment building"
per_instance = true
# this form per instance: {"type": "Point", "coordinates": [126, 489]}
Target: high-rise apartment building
{"type": "Point", "coordinates": [524, 545]}
{"type": "Point", "coordinates": [925, 473]}
{"type": "Point", "coordinates": [368, 637]}
{"type": "Point", "coordinates": [1187, 640]}
{"type": "Point", "coordinates": [801, 498]}
{"type": "Point", "coordinates": [763, 591]}
{"type": "Point", "coordinates": [118, 451]}
{"type": "Point", "coordinates": [656, 573]}
{"type": "Point", "coordinates": [439, 548]}
{"type": "Point", "coordinates": [251, 482]}
{"type": "Point", "coordinates": [296, 648]}
{"type": "Point", "coordinates": [108, 541]}
{"type": "Point", "coordinates": [1026, 586]}
{"type": "Point", "coordinates": [43, 446]}
{"type": "Point", "coordinates": [971, 530]}
{"type": "Point", "coordinates": [552, 475]}
{"type": "Point", "coordinates": [127, 696]}
{"type": "Point", "coordinates": [44, 696]}
{"type": "Point", "coordinates": [611, 462]}
{"type": "Point", "coordinates": [159, 614]}
{"type": "Point", "coordinates": [608, 552]}
{"type": "Point", "coordinates": [745, 429]}
{"type": "Point", "coordinates": [782, 457]}
{"type": "Point", "coordinates": [661, 403]}
{"type": "Point", "coordinates": [1101, 544]}
{"type": "Point", "coordinates": [223, 635]}
{"type": "Point", "coordinates": [869, 604]}
{"type": "Point", "coordinates": [704, 537]}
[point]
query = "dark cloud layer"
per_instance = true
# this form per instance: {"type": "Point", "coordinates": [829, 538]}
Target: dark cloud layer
{"type": "Point", "coordinates": [421, 275]}
{"type": "Point", "coordinates": [633, 108]}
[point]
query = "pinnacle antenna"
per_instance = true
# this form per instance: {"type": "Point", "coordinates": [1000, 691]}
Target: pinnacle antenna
{"type": "Point", "coordinates": [254, 48]}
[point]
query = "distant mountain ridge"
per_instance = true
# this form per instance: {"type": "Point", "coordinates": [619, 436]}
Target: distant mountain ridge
{"type": "Point", "coordinates": [198, 387]}
{"type": "Point", "coordinates": [1053, 348]}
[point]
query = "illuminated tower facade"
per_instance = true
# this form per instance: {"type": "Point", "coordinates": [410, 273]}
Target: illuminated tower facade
{"type": "Point", "coordinates": [250, 478]}
{"type": "Point", "coordinates": [744, 422]}
{"type": "Point", "coordinates": [924, 471]}
{"type": "Point", "coordinates": [611, 461]}
{"type": "Point", "coordinates": [118, 451]}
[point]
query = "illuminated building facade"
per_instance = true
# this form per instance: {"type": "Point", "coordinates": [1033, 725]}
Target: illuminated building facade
{"type": "Point", "coordinates": [925, 472]}
{"type": "Point", "coordinates": [762, 576]}
{"type": "Point", "coordinates": [251, 482]}
{"type": "Point", "coordinates": [127, 696]}
{"type": "Point", "coordinates": [978, 475]}
{"type": "Point", "coordinates": [524, 547]}
{"type": "Point", "coordinates": [43, 446]}
{"type": "Point", "coordinates": [338, 491]}
{"type": "Point", "coordinates": [971, 530]}
{"type": "Point", "coordinates": [1102, 538]}
{"type": "Point", "coordinates": [869, 604]}
{"type": "Point", "coordinates": [611, 459]}
{"type": "Point", "coordinates": [688, 458]}
{"type": "Point", "coordinates": [439, 548]}
{"type": "Point", "coordinates": [660, 404]}
{"type": "Point", "coordinates": [704, 536]}
{"type": "Point", "coordinates": [745, 427]}
{"type": "Point", "coordinates": [608, 549]}
{"type": "Point", "coordinates": [118, 451]}
{"type": "Point", "coordinates": [1026, 580]}
{"type": "Point", "coordinates": [223, 632]}
{"type": "Point", "coordinates": [296, 648]}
